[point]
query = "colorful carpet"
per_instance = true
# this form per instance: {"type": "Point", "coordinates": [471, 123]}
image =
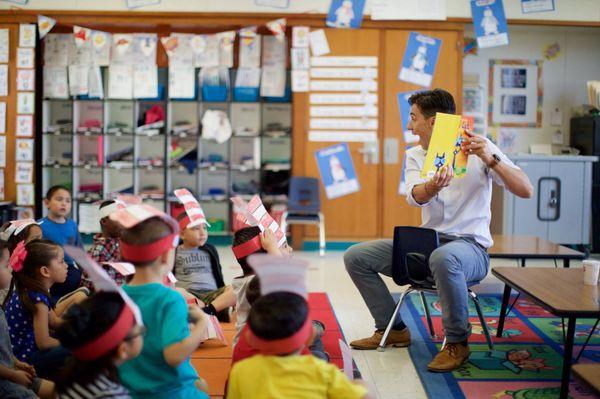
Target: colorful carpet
{"type": "Point", "coordinates": [526, 362]}
{"type": "Point", "coordinates": [213, 360]}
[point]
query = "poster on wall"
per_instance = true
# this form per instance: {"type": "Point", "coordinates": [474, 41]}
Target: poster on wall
{"type": "Point", "coordinates": [24, 126]}
{"type": "Point", "coordinates": [345, 14]}
{"type": "Point", "coordinates": [4, 44]}
{"type": "Point", "coordinates": [2, 117]}
{"type": "Point", "coordinates": [2, 151]}
{"type": "Point", "coordinates": [3, 80]}
{"type": "Point", "coordinates": [337, 171]}
{"type": "Point", "coordinates": [516, 93]}
{"type": "Point", "coordinates": [420, 59]}
{"type": "Point", "coordinates": [26, 35]}
{"type": "Point", "coordinates": [532, 6]}
{"type": "Point", "coordinates": [489, 22]}
{"type": "Point", "coordinates": [24, 172]}
{"type": "Point", "coordinates": [24, 150]}
{"type": "Point", "coordinates": [25, 103]}
{"type": "Point", "coordinates": [25, 79]}
{"type": "Point", "coordinates": [25, 57]}
{"type": "Point", "coordinates": [25, 194]}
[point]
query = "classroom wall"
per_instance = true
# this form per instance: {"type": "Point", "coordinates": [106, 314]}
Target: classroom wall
{"type": "Point", "coordinates": [564, 78]}
{"type": "Point", "coordinates": [566, 10]}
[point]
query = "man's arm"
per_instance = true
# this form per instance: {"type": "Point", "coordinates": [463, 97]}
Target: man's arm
{"type": "Point", "coordinates": [423, 193]}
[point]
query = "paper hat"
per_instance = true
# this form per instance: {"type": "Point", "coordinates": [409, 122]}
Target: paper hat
{"type": "Point", "coordinates": [254, 213]}
{"type": "Point", "coordinates": [195, 215]}
{"type": "Point", "coordinates": [133, 215]}
{"type": "Point", "coordinates": [124, 268]}
{"type": "Point", "coordinates": [130, 314]}
{"type": "Point", "coordinates": [107, 210]}
{"type": "Point", "coordinates": [278, 274]}
{"type": "Point", "coordinates": [129, 199]}
{"type": "Point", "coordinates": [15, 227]}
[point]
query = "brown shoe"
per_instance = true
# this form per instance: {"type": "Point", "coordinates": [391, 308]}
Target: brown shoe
{"type": "Point", "coordinates": [398, 339]}
{"type": "Point", "coordinates": [451, 357]}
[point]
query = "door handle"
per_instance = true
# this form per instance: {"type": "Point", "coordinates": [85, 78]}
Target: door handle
{"type": "Point", "coordinates": [553, 202]}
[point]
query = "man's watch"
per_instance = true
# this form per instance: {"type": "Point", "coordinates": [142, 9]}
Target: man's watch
{"type": "Point", "coordinates": [495, 161]}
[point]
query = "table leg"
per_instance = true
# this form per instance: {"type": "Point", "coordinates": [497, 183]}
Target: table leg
{"type": "Point", "coordinates": [566, 263]}
{"type": "Point", "coordinates": [567, 359]}
{"type": "Point", "coordinates": [505, 299]}
{"type": "Point", "coordinates": [522, 262]}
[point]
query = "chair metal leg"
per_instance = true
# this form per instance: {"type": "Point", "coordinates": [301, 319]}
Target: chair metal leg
{"type": "Point", "coordinates": [427, 314]}
{"type": "Point", "coordinates": [381, 347]}
{"type": "Point", "coordinates": [484, 326]}
{"type": "Point", "coordinates": [322, 243]}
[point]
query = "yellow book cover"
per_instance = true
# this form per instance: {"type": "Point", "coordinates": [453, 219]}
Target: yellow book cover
{"type": "Point", "coordinates": [442, 146]}
{"type": "Point", "coordinates": [460, 158]}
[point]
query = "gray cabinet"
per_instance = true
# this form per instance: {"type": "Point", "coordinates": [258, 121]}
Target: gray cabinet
{"type": "Point", "coordinates": [560, 209]}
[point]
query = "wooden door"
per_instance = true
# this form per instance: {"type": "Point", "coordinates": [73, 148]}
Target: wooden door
{"type": "Point", "coordinates": [355, 216]}
{"type": "Point", "coordinates": [448, 76]}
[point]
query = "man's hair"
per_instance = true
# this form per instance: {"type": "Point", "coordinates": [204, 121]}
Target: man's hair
{"type": "Point", "coordinates": [277, 315]}
{"type": "Point", "coordinates": [147, 232]}
{"type": "Point", "coordinates": [244, 235]}
{"type": "Point", "coordinates": [52, 190]}
{"type": "Point", "coordinates": [432, 101]}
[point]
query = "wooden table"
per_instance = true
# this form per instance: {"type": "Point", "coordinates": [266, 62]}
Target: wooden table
{"type": "Point", "coordinates": [590, 374]}
{"type": "Point", "coordinates": [528, 247]}
{"type": "Point", "coordinates": [560, 292]}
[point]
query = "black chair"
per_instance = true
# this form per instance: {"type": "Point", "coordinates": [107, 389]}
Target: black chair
{"type": "Point", "coordinates": [410, 266]}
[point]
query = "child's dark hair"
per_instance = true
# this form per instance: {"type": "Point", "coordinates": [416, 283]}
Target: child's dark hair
{"type": "Point", "coordinates": [147, 232]}
{"type": "Point", "coordinates": [15, 239]}
{"type": "Point", "coordinates": [39, 253]}
{"type": "Point", "coordinates": [277, 315]}
{"type": "Point", "coordinates": [106, 203]}
{"type": "Point", "coordinates": [83, 323]}
{"type": "Point", "coordinates": [52, 190]}
{"type": "Point", "coordinates": [244, 235]}
{"type": "Point", "coordinates": [253, 290]}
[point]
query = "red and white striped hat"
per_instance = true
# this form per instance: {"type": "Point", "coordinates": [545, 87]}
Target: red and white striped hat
{"type": "Point", "coordinates": [193, 210]}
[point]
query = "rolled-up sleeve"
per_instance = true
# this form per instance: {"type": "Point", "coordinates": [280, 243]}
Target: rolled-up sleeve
{"type": "Point", "coordinates": [503, 158]}
{"type": "Point", "coordinates": [413, 176]}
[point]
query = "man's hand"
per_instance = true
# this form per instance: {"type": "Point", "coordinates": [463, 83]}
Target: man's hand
{"type": "Point", "coordinates": [441, 179]}
{"type": "Point", "coordinates": [476, 145]}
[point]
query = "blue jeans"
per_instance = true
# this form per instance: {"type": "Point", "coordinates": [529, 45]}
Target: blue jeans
{"type": "Point", "coordinates": [454, 264]}
{"type": "Point", "coordinates": [47, 363]}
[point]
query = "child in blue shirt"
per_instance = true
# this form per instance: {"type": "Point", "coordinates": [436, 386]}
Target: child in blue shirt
{"type": "Point", "coordinates": [163, 369]}
{"type": "Point", "coordinates": [58, 227]}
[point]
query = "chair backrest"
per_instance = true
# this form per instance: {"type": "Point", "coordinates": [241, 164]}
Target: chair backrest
{"type": "Point", "coordinates": [408, 239]}
{"type": "Point", "coordinates": [303, 195]}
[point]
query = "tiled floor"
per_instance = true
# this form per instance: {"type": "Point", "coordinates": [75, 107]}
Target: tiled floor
{"type": "Point", "coordinates": [391, 373]}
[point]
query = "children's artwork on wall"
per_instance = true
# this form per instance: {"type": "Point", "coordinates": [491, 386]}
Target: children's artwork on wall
{"type": "Point", "coordinates": [552, 51]}
{"type": "Point", "coordinates": [345, 13]}
{"type": "Point", "coordinates": [506, 139]}
{"type": "Point", "coordinates": [25, 79]}
{"type": "Point", "coordinates": [489, 22]}
{"type": "Point", "coordinates": [533, 6]}
{"type": "Point", "coordinates": [516, 93]}
{"type": "Point", "coordinates": [24, 172]}
{"type": "Point", "coordinates": [24, 150]}
{"type": "Point", "coordinates": [25, 57]}
{"type": "Point", "coordinates": [2, 117]}
{"type": "Point", "coordinates": [470, 46]}
{"type": "Point", "coordinates": [4, 45]}
{"type": "Point", "coordinates": [45, 25]}
{"type": "Point", "coordinates": [300, 36]}
{"type": "Point", "coordinates": [25, 194]}
{"type": "Point", "coordinates": [318, 43]}
{"type": "Point", "coordinates": [420, 59]}
{"type": "Point", "coordinates": [24, 126]}
{"type": "Point", "coordinates": [337, 171]}
{"type": "Point", "coordinates": [26, 35]}
{"type": "Point", "coordinates": [442, 147]}
{"type": "Point", "coordinates": [3, 80]}
{"type": "Point", "coordinates": [25, 103]}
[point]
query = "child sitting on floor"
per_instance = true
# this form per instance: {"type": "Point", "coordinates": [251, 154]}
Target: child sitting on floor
{"type": "Point", "coordinates": [279, 327]}
{"type": "Point", "coordinates": [58, 227]}
{"type": "Point", "coordinates": [102, 334]}
{"type": "Point", "coordinates": [31, 313]}
{"type": "Point", "coordinates": [163, 369]}
{"type": "Point", "coordinates": [17, 379]}
{"type": "Point", "coordinates": [198, 269]}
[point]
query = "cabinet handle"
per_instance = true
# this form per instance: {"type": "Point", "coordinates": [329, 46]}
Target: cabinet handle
{"type": "Point", "coordinates": [553, 201]}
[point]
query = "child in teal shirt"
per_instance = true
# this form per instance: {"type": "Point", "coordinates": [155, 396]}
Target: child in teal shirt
{"type": "Point", "coordinates": [163, 369]}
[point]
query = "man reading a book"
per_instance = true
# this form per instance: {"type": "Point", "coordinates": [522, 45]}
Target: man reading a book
{"type": "Point", "coordinates": [459, 210]}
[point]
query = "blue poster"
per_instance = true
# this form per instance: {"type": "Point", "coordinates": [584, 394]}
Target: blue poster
{"type": "Point", "coordinates": [531, 6]}
{"type": "Point", "coordinates": [490, 23]}
{"type": "Point", "coordinates": [337, 171]}
{"type": "Point", "coordinates": [404, 108]}
{"type": "Point", "coordinates": [420, 59]}
{"type": "Point", "coordinates": [345, 13]}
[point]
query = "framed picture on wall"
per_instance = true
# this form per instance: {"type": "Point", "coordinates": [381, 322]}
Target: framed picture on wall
{"type": "Point", "coordinates": [515, 93]}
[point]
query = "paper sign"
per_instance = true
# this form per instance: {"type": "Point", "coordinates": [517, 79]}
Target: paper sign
{"type": "Point", "coordinates": [420, 59]}
{"type": "Point", "coordinates": [254, 213]}
{"type": "Point", "coordinates": [45, 25]}
{"type": "Point", "coordinates": [56, 49]}
{"type": "Point", "coordinates": [337, 171]}
{"type": "Point", "coordinates": [408, 10]}
{"type": "Point", "coordinates": [55, 81]}
{"type": "Point", "coordinates": [300, 36]}
{"type": "Point", "coordinates": [343, 110]}
{"type": "Point", "coordinates": [531, 6]}
{"type": "Point", "coordinates": [318, 43]}
{"type": "Point", "coordinates": [489, 22]}
{"type": "Point", "coordinates": [120, 82]}
{"type": "Point", "coordinates": [343, 85]}
{"type": "Point", "coordinates": [347, 360]}
{"type": "Point", "coordinates": [300, 58]}
{"type": "Point", "coordinates": [24, 126]}
{"type": "Point", "coordinates": [205, 49]}
{"type": "Point", "coordinates": [26, 35]}
{"type": "Point", "coordinates": [25, 194]}
{"type": "Point", "coordinates": [351, 124]}
{"type": "Point", "coordinates": [24, 150]}
{"type": "Point", "coordinates": [273, 81]}
{"type": "Point", "coordinates": [2, 153]}
{"type": "Point", "coordinates": [344, 61]}
{"type": "Point", "coordinates": [3, 80]}
{"type": "Point", "coordinates": [182, 81]}
{"type": "Point", "coordinates": [25, 79]}
{"type": "Point", "coordinates": [2, 117]}
{"type": "Point", "coordinates": [250, 47]}
{"type": "Point", "coordinates": [24, 172]}
{"type": "Point", "coordinates": [300, 80]}
{"type": "Point", "coordinates": [442, 147]}
{"type": "Point", "coordinates": [4, 45]}
{"type": "Point", "coordinates": [101, 279]}
{"type": "Point", "coordinates": [345, 13]}
{"type": "Point", "coordinates": [95, 82]}
{"type": "Point", "coordinates": [25, 103]}
{"type": "Point", "coordinates": [25, 57]}
{"type": "Point", "coordinates": [362, 98]}
{"type": "Point", "coordinates": [247, 77]}
{"type": "Point", "coordinates": [336, 136]}
{"type": "Point", "coordinates": [101, 44]}
{"type": "Point", "coordinates": [145, 81]}
{"type": "Point", "coordinates": [344, 73]}
{"type": "Point", "coordinates": [226, 41]}
{"type": "Point", "coordinates": [132, 4]}
{"type": "Point", "coordinates": [78, 80]}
